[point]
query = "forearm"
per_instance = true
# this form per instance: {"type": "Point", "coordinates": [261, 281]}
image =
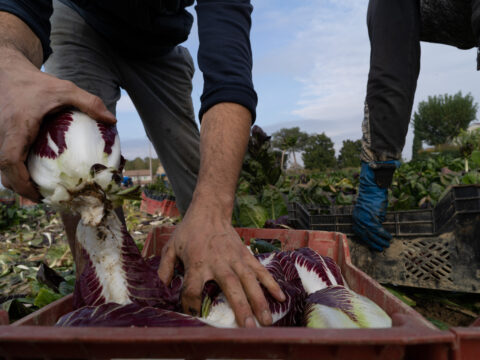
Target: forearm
{"type": "Point", "coordinates": [207, 225]}
{"type": "Point", "coordinates": [223, 139]}
{"type": "Point", "coordinates": [17, 38]}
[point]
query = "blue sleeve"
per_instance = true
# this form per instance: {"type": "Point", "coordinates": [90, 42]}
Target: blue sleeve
{"type": "Point", "coordinates": [36, 14]}
{"type": "Point", "coordinates": [225, 54]}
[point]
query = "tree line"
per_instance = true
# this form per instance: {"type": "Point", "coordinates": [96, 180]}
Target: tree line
{"type": "Point", "coordinates": [437, 121]}
{"type": "Point", "coordinates": [142, 164]}
{"type": "Point", "coordinates": [317, 150]}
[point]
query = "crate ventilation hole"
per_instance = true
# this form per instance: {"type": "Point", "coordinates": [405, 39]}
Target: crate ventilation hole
{"type": "Point", "coordinates": [427, 261]}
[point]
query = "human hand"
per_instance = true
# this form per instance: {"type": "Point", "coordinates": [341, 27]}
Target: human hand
{"type": "Point", "coordinates": [211, 249]}
{"type": "Point", "coordinates": [27, 96]}
{"type": "Point", "coordinates": [372, 202]}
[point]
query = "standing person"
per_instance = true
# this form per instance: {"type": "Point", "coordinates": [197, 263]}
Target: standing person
{"type": "Point", "coordinates": [395, 28]}
{"type": "Point", "coordinates": [100, 46]}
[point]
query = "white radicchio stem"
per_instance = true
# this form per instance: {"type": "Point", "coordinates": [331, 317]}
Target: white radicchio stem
{"type": "Point", "coordinates": [103, 244]}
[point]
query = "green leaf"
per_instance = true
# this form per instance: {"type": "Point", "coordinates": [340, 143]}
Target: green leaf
{"type": "Point", "coordinates": [475, 157]}
{"type": "Point", "coordinates": [66, 288]}
{"type": "Point", "coordinates": [343, 199]}
{"type": "Point", "coordinates": [273, 202]}
{"type": "Point", "coordinates": [46, 296]}
{"type": "Point", "coordinates": [471, 178]}
{"type": "Point", "coordinates": [251, 213]}
{"type": "Point", "coordinates": [439, 324]}
{"type": "Point", "coordinates": [261, 246]}
{"type": "Point", "coordinates": [401, 296]}
{"type": "Point", "coordinates": [435, 191]}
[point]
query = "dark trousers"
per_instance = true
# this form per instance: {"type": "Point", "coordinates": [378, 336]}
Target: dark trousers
{"type": "Point", "coordinates": [396, 28]}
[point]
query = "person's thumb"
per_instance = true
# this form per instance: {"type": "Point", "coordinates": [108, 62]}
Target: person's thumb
{"type": "Point", "coordinates": [90, 104]}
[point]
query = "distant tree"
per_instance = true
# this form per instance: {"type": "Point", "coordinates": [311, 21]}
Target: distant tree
{"type": "Point", "coordinates": [417, 145]}
{"type": "Point", "coordinates": [135, 164]}
{"type": "Point", "coordinates": [281, 159]}
{"type": "Point", "coordinates": [350, 153]}
{"type": "Point", "coordinates": [142, 164]}
{"type": "Point", "coordinates": [289, 140]}
{"type": "Point", "coordinates": [440, 119]}
{"type": "Point", "coordinates": [319, 153]}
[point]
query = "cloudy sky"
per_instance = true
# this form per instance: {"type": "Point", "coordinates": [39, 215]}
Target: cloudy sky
{"type": "Point", "coordinates": [311, 62]}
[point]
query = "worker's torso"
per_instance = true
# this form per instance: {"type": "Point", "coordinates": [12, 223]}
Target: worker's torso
{"type": "Point", "coordinates": [137, 27]}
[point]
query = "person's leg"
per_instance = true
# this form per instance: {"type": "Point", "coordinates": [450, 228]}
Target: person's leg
{"type": "Point", "coordinates": [161, 90]}
{"type": "Point", "coordinates": [79, 56]}
{"type": "Point", "coordinates": [394, 30]}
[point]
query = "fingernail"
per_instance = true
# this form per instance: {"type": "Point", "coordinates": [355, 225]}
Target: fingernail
{"type": "Point", "coordinates": [250, 323]}
{"type": "Point", "coordinates": [282, 296]}
{"type": "Point", "coordinates": [266, 317]}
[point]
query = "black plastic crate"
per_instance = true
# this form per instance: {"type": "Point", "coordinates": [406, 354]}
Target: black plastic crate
{"type": "Point", "coordinates": [447, 261]}
{"type": "Point", "coordinates": [459, 199]}
{"type": "Point", "coordinates": [339, 218]}
{"type": "Point", "coordinates": [435, 249]}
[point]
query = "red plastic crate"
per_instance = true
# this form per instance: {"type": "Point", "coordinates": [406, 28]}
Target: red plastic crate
{"type": "Point", "coordinates": [467, 342]}
{"type": "Point", "coordinates": [411, 337]}
{"type": "Point", "coordinates": [155, 207]}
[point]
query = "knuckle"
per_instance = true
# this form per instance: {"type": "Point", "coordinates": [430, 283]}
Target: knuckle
{"type": "Point", "coordinates": [94, 102]}
{"type": "Point", "coordinates": [247, 274]}
{"type": "Point", "coordinates": [56, 87]}
{"type": "Point", "coordinates": [6, 162]}
{"type": "Point", "coordinates": [191, 293]}
{"type": "Point", "coordinates": [261, 271]}
{"type": "Point", "coordinates": [67, 85]}
{"type": "Point", "coordinates": [229, 278]}
{"type": "Point", "coordinates": [165, 250]}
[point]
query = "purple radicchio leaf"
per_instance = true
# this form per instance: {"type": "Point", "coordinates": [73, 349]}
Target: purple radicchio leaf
{"type": "Point", "coordinates": [116, 315]}
{"type": "Point", "coordinates": [115, 271]}
{"type": "Point", "coordinates": [280, 265]}
{"type": "Point", "coordinates": [334, 297]}
{"type": "Point", "coordinates": [282, 268]}
{"type": "Point", "coordinates": [54, 127]}
{"type": "Point", "coordinates": [316, 271]}
{"type": "Point", "coordinates": [289, 312]}
{"type": "Point", "coordinates": [108, 134]}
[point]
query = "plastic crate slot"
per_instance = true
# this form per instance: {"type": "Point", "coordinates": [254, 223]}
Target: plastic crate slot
{"type": "Point", "coordinates": [448, 271]}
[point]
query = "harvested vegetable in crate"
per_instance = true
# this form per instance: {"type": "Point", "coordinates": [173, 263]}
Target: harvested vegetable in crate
{"type": "Point", "coordinates": [118, 287]}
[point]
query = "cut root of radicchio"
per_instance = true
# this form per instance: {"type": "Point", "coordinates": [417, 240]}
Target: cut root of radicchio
{"type": "Point", "coordinates": [114, 315]}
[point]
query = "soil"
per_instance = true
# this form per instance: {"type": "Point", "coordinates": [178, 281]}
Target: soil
{"type": "Point", "coordinates": [434, 310]}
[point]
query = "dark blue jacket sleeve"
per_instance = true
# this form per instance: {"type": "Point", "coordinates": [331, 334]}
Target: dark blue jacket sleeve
{"type": "Point", "coordinates": [36, 14]}
{"type": "Point", "coordinates": [225, 54]}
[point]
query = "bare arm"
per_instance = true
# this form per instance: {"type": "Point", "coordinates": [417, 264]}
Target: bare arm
{"type": "Point", "coordinates": [206, 241]}
{"type": "Point", "coordinates": [27, 95]}
{"type": "Point", "coordinates": [16, 37]}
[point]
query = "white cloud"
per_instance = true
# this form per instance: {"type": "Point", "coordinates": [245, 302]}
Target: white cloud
{"type": "Point", "coordinates": [329, 56]}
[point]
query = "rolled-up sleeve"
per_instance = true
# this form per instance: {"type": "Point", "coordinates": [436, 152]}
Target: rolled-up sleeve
{"type": "Point", "coordinates": [225, 54]}
{"type": "Point", "coordinates": [36, 14]}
